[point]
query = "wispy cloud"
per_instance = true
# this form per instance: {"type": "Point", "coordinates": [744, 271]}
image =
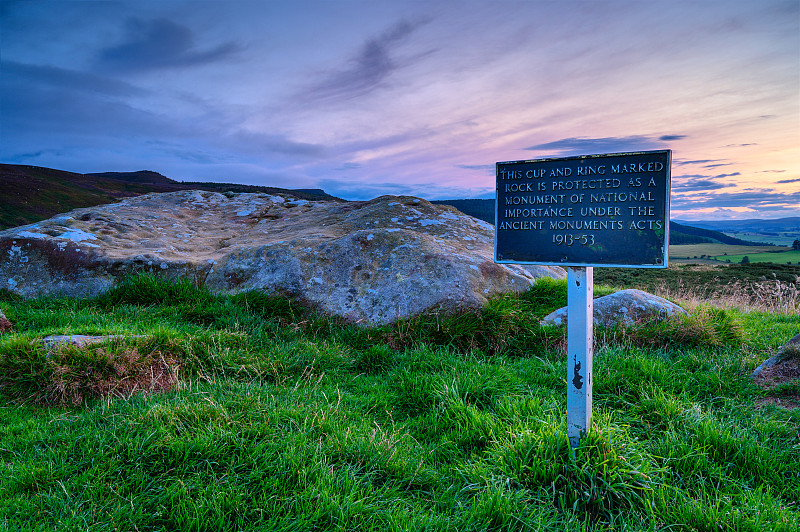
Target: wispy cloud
{"type": "Point", "coordinates": [367, 69]}
{"type": "Point", "coordinates": [260, 143]}
{"type": "Point", "coordinates": [696, 161]}
{"type": "Point", "coordinates": [43, 112]}
{"type": "Point", "coordinates": [32, 156]}
{"type": "Point", "coordinates": [484, 167]}
{"type": "Point", "coordinates": [784, 181]}
{"type": "Point", "coordinates": [65, 79]}
{"type": "Point", "coordinates": [687, 183]}
{"type": "Point", "coordinates": [160, 43]}
{"type": "Point", "coordinates": [752, 198]}
{"type": "Point", "coordinates": [348, 166]}
{"type": "Point", "coordinates": [700, 184]}
{"type": "Point", "coordinates": [672, 137]}
{"type": "Point", "coordinates": [583, 145]}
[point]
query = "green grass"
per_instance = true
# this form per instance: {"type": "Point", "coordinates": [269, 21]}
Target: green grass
{"type": "Point", "coordinates": [288, 420]}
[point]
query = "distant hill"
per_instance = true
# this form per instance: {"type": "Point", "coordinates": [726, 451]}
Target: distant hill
{"type": "Point", "coordinates": [32, 193]}
{"type": "Point", "coordinates": [678, 233]}
{"type": "Point", "coordinates": [142, 176]}
{"type": "Point", "coordinates": [479, 208]}
{"type": "Point", "coordinates": [311, 194]}
{"type": "Point", "coordinates": [683, 234]}
{"type": "Point", "coordinates": [777, 225]}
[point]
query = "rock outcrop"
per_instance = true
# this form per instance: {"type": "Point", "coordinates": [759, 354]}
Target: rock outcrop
{"type": "Point", "coordinates": [371, 262]}
{"type": "Point", "coordinates": [82, 340]}
{"type": "Point", "coordinates": [5, 325]}
{"type": "Point", "coordinates": [624, 307]}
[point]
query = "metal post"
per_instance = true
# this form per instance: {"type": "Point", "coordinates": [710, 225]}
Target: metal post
{"type": "Point", "coordinates": [580, 349]}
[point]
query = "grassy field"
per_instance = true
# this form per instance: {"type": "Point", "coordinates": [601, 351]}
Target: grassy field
{"type": "Point", "coordinates": [267, 416]}
{"type": "Point", "coordinates": [734, 254]}
{"type": "Point", "coordinates": [778, 239]}
{"type": "Point", "coordinates": [715, 250]}
{"type": "Point", "coordinates": [785, 257]}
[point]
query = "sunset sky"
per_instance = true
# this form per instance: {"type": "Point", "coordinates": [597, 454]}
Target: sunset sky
{"type": "Point", "coordinates": [364, 98]}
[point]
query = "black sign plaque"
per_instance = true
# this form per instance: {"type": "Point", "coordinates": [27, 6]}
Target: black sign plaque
{"type": "Point", "coordinates": [589, 210]}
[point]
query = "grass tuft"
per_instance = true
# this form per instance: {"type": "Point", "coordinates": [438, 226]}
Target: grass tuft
{"type": "Point", "coordinates": [375, 359]}
{"type": "Point", "coordinates": [69, 375]}
{"type": "Point", "coordinates": [606, 475]}
{"type": "Point", "coordinates": [789, 352]}
{"type": "Point", "coordinates": [702, 326]}
{"type": "Point", "coordinates": [8, 295]}
{"type": "Point", "coordinates": [146, 289]}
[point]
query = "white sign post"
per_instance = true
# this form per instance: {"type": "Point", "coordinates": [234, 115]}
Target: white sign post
{"type": "Point", "coordinates": [580, 349]}
{"type": "Point", "coordinates": [607, 210]}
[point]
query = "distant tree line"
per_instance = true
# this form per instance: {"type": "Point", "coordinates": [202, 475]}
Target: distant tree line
{"type": "Point", "coordinates": [678, 234]}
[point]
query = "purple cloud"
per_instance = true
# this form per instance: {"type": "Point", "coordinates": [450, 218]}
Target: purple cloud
{"type": "Point", "coordinates": [583, 145]}
{"type": "Point", "coordinates": [160, 43]}
{"type": "Point", "coordinates": [367, 70]}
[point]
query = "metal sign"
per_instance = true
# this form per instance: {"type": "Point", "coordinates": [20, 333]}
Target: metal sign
{"type": "Point", "coordinates": [590, 210]}
{"type": "Point", "coordinates": [581, 212]}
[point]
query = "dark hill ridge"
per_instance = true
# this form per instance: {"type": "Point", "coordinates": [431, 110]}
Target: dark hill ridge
{"type": "Point", "coordinates": [678, 234]}
{"type": "Point", "coordinates": [32, 193]}
{"type": "Point", "coordinates": [142, 176]}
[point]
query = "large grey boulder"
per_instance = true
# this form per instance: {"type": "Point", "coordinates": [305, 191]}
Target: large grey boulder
{"type": "Point", "coordinates": [625, 307]}
{"type": "Point", "coordinates": [371, 262]}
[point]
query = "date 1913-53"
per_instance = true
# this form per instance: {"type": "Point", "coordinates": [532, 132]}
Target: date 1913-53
{"type": "Point", "coordinates": [568, 239]}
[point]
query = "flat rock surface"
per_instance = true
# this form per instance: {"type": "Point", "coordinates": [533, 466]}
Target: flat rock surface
{"type": "Point", "coordinates": [625, 307]}
{"type": "Point", "coordinates": [82, 340]}
{"type": "Point", "coordinates": [371, 262]}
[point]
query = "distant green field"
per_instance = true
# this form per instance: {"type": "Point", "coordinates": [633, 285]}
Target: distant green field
{"type": "Point", "coordinates": [783, 257]}
{"type": "Point", "coordinates": [734, 254]}
{"type": "Point", "coordinates": [715, 250]}
{"type": "Point", "coordinates": [779, 239]}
